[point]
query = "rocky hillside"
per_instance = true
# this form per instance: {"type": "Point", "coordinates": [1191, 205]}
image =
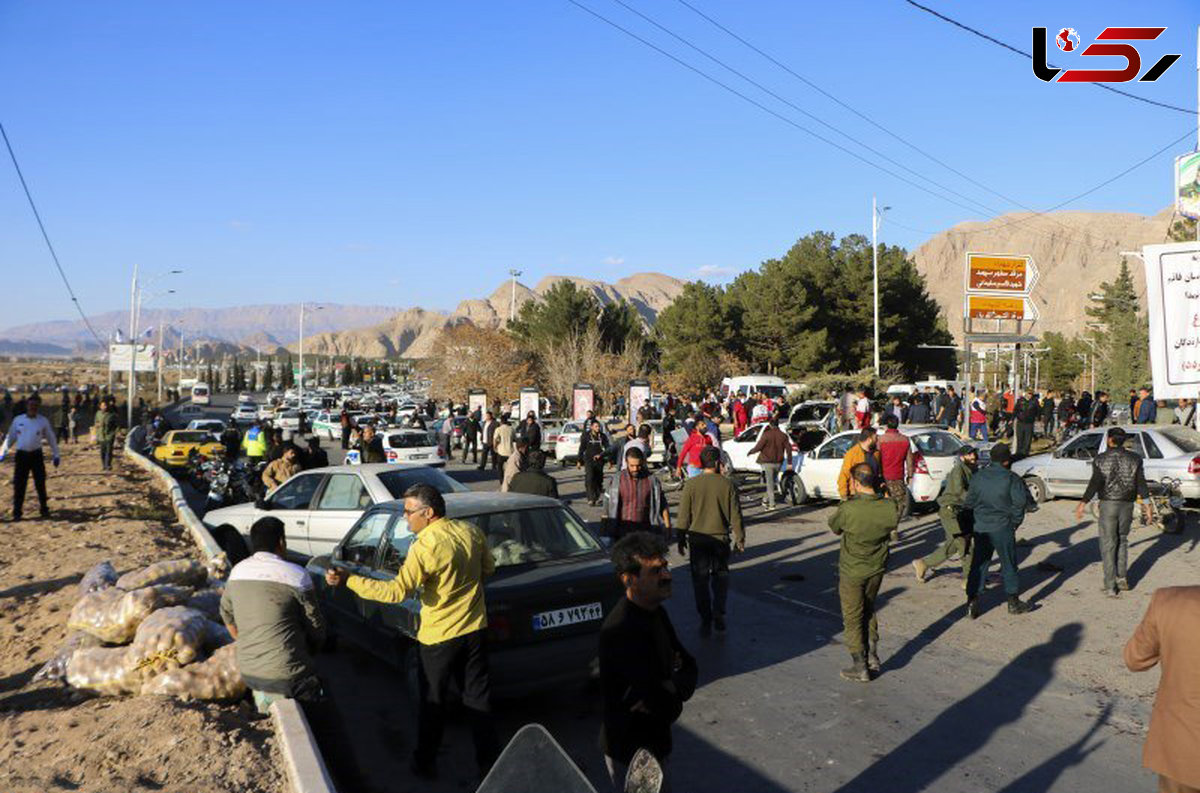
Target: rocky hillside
{"type": "Point", "coordinates": [1074, 252]}
{"type": "Point", "coordinates": [411, 333]}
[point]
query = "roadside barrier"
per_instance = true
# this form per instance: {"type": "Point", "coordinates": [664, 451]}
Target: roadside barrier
{"type": "Point", "coordinates": [302, 759]}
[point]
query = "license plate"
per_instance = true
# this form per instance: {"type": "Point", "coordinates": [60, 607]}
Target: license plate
{"type": "Point", "coordinates": [418, 456]}
{"type": "Point", "coordinates": [560, 617]}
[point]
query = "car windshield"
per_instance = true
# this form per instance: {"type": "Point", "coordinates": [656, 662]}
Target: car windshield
{"type": "Point", "coordinates": [402, 479]}
{"type": "Point", "coordinates": [772, 391]}
{"type": "Point", "coordinates": [1186, 438]}
{"type": "Point", "coordinates": [534, 535]}
{"type": "Point", "coordinates": [190, 437]}
{"type": "Point", "coordinates": [290, 414]}
{"type": "Point", "coordinates": [937, 444]}
{"type": "Point", "coordinates": [568, 429]}
{"type": "Point", "coordinates": [810, 412]}
{"type": "Point", "coordinates": [409, 440]}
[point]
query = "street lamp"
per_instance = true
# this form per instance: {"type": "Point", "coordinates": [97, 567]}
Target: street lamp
{"type": "Point", "coordinates": [300, 390]}
{"type": "Point", "coordinates": [135, 306]}
{"type": "Point", "coordinates": [876, 217]}
{"type": "Point", "coordinates": [512, 306]}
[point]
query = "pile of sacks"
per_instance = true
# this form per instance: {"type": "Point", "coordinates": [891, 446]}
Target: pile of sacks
{"type": "Point", "coordinates": [156, 630]}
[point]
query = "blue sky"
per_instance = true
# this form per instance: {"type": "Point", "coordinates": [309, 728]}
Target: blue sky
{"type": "Point", "coordinates": [406, 153]}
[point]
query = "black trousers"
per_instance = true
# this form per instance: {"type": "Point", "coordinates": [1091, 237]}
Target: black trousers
{"type": "Point", "coordinates": [345, 438]}
{"type": "Point", "coordinates": [106, 448]}
{"type": "Point", "coordinates": [498, 461]}
{"type": "Point", "coordinates": [1024, 438]}
{"type": "Point", "coordinates": [709, 560]}
{"type": "Point", "coordinates": [487, 449]}
{"type": "Point", "coordinates": [28, 463]}
{"type": "Point", "coordinates": [464, 660]}
{"type": "Point", "coordinates": [470, 443]}
{"type": "Point", "coordinates": [593, 480]}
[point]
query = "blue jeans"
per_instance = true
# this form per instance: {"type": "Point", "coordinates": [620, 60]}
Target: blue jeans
{"type": "Point", "coordinates": [979, 430]}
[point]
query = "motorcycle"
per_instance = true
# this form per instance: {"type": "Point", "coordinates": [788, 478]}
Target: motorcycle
{"type": "Point", "coordinates": [228, 484]}
{"type": "Point", "coordinates": [1166, 507]}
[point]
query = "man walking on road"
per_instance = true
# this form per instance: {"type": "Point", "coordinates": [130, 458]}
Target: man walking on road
{"type": "Point", "coordinates": [26, 434]}
{"type": "Point", "coordinates": [1027, 413]}
{"type": "Point", "coordinates": [861, 452]}
{"type": "Point", "coordinates": [446, 566]}
{"type": "Point", "coordinates": [470, 438]}
{"type": "Point", "coordinates": [1170, 634]}
{"type": "Point", "coordinates": [106, 433]}
{"type": "Point", "coordinates": [513, 464]}
{"type": "Point", "coordinates": [773, 448]}
{"type": "Point", "coordinates": [865, 523]}
{"type": "Point", "coordinates": [645, 673]}
{"type": "Point", "coordinates": [1119, 479]}
{"type": "Point", "coordinates": [502, 445]}
{"type": "Point", "coordinates": [977, 425]}
{"type": "Point", "coordinates": [708, 514]}
{"type": "Point", "coordinates": [532, 479]}
{"type": "Point", "coordinates": [998, 499]}
{"type": "Point", "coordinates": [593, 446]}
{"type": "Point", "coordinates": [487, 432]}
{"type": "Point", "coordinates": [636, 501]}
{"type": "Point", "coordinates": [956, 521]}
{"type": "Point", "coordinates": [896, 463]}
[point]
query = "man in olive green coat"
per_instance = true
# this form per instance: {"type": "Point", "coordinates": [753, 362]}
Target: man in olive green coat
{"type": "Point", "coordinates": [956, 521]}
{"type": "Point", "coordinates": [865, 522]}
{"type": "Point", "coordinates": [106, 433]}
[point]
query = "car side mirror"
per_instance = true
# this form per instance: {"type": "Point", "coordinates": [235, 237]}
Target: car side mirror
{"type": "Point", "coordinates": [263, 504]}
{"type": "Point", "coordinates": [337, 554]}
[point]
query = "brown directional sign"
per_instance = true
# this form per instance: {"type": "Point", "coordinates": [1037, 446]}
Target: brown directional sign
{"type": "Point", "coordinates": [987, 272]}
{"type": "Point", "coordinates": [997, 307]}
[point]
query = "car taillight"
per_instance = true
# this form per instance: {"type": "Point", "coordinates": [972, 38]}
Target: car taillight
{"type": "Point", "coordinates": [441, 452]}
{"type": "Point", "coordinates": [391, 456]}
{"type": "Point", "coordinates": [1194, 465]}
{"type": "Point", "coordinates": [919, 465]}
{"type": "Point", "coordinates": [499, 628]}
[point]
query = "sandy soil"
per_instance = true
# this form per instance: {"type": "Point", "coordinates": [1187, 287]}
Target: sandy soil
{"type": "Point", "coordinates": [53, 738]}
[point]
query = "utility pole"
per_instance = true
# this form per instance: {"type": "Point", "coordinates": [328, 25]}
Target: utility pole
{"type": "Point", "coordinates": [159, 360]}
{"type": "Point", "coordinates": [180, 362]}
{"type": "Point", "coordinates": [876, 214]}
{"type": "Point", "coordinates": [129, 394]}
{"type": "Point", "coordinates": [512, 306]}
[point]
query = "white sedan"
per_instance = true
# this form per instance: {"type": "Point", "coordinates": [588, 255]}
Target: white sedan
{"type": "Point", "coordinates": [935, 449]}
{"type": "Point", "coordinates": [319, 506]}
{"type": "Point", "coordinates": [566, 448]}
{"type": "Point", "coordinates": [244, 414]}
{"type": "Point", "coordinates": [1168, 451]}
{"type": "Point", "coordinates": [412, 446]}
{"type": "Point", "coordinates": [213, 427]}
{"type": "Point", "coordinates": [288, 420]}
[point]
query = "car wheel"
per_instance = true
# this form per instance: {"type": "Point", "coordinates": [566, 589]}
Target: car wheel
{"type": "Point", "coordinates": [232, 543]}
{"type": "Point", "coordinates": [799, 494]}
{"type": "Point", "coordinates": [1037, 489]}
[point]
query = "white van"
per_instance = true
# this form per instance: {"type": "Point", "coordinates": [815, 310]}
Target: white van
{"type": "Point", "coordinates": [200, 394]}
{"type": "Point", "coordinates": [766, 384]}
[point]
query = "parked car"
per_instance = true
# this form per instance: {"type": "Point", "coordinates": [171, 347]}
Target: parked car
{"type": "Point", "coordinates": [813, 413]}
{"type": "Point", "coordinates": [412, 446]}
{"type": "Point", "coordinates": [177, 446]}
{"type": "Point", "coordinates": [213, 427]}
{"type": "Point", "coordinates": [552, 588]}
{"type": "Point", "coordinates": [319, 506]}
{"type": "Point", "coordinates": [935, 449]}
{"type": "Point", "coordinates": [739, 448]}
{"type": "Point", "coordinates": [1168, 451]}
{"type": "Point", "coordinates": [244, 414]}
{"type": "Point", "coordinates": [189, 412]}
{"type": "Point", "coordinates": [288, 420]}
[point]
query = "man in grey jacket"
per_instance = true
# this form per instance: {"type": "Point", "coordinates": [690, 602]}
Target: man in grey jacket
{"type": "Point", "coordinates": [1118, 478]}
{"type": "Point", "coordinates": [635, 500]}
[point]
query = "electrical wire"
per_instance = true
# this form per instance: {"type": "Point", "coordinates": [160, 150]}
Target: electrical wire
{"type": "Point", "coordinates": [1024, 54]}
{"type": "Point", "coordinates": [53, 255]}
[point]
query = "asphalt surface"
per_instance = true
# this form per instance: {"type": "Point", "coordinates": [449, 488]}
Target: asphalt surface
{"type": "Point", "coordinates": [960, 706]}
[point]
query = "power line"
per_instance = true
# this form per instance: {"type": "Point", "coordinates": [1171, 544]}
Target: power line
{"type": "Point", "coordinates": [46, 237]}
{"type": "Point", "coordinates": [1024, 54]}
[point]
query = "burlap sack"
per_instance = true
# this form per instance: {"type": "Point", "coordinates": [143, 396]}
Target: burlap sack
{"type": "Point", "coordinates": [216, 678]}
{"type": "Point", "coordinates": [168, 638]}
{"type": "Point", "coordinates": [103, 670]}
{"type": "Point", "coordinates": [113, 615]}
{"type": "Point", "coordinates": [181, 572]}
{"type": "Point", "coordinates": [56, 667]}
{"type": "Point", "coordinates": [101, 576]}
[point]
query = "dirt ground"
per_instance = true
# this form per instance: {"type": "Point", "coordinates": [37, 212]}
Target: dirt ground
{"type": "Point", "coordinates": [50, 374]}
{"type": "Point", "coordinates": [54, 738]}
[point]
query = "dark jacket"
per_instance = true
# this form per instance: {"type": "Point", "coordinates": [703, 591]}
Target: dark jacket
{"type": "Point", "coordinates": [1027, 410]}
{"type": "Point", "coordinates": [372, 452]}
{"type": "Point", "coordinates": [998, 498]}
{"type": "Point", "coordinates": [1048, 409]}
{"type": "Point", "coordinates": [1100, 413]}
{"type": "Point", "coordinates": [612, 503]}
{"type": "Point", "coordinates": [316, 458]}
{"type": "Point", "coordinates": [639, 656]}
{"type": "Point", "coordinates": [773, 445]}
{"type": "Point", "coordinates": [1147, 411]}
{"type": "Point", "coordinates": [592, 447]}
{"type": "Point", "coordinates": [709, 505]}
{"type": "Point", "coordinates": [1117, 475]}
{"type": "Point", "coordinates": [470, 429]}
{"type": "Point", "coordinates": [918, 413]}
{"type": "Point", "coordinates": [535, 483]}
{"type": "Point", "coordinates": [530, 433]}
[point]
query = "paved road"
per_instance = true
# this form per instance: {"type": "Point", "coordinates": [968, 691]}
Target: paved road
{"type": "Point", "coordinates": [961, 707]}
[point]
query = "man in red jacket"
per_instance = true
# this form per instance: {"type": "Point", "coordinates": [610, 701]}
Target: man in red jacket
{"type": "Point", "coordinates": [896, 460]}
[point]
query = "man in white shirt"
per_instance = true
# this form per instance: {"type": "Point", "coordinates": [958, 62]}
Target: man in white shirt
{"type": "Point", "coordinates": [26, 435]}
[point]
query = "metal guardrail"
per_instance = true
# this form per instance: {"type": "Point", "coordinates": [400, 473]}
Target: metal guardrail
{"type": "Point", "coordinates": [302, 759]}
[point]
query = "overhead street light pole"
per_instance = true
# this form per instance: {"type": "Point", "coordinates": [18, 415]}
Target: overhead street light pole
{"type": "Point", "coordinates": [512, 306]}
{"type": "Point", "coordinates": [130, 388]}
{"type": "Point", "coordinates": [876, 214]}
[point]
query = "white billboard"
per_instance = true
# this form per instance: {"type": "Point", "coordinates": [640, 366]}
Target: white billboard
{"type": "Point", "coordinates": [119, 355]}
{"type": "Point", "coordinates": [531, 403]}
{"type": "Point", "coordinates": [1173, 305]}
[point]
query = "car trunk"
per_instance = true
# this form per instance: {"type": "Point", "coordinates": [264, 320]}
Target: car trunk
{"type": "Point", "coordinates": [562, 596]}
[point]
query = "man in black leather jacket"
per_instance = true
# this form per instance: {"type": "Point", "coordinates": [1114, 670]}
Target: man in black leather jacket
{"type": "Point", "coordinates": [1118, 479]}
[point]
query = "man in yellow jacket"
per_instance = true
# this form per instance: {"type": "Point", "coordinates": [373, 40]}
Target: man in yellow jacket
{"type": "Point", "coordinates": [447, 563]}
{"type": "Point", "coordinates": [863, 451]}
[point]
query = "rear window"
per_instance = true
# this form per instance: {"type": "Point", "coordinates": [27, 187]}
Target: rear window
{"type": "Point", "coordinates": [773, 391]}
{"type": "Point", "coordinates": [409, 440]}
{"type": "Point", "coordinates": [811, 412]}
{"type": "Point", "coordinates": [1186, 438]}
{"type": "Point", "coordinates": [190, 437]}
{"type": "Point", "coordinates": [937, 444]}
{"type": "Point", "coordinates": [402, 479]}
{"type": "Point", "coordinates": [534, 535]}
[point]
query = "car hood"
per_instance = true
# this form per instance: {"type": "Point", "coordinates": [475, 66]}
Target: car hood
{"type": "Point", "coordinates": [1022, 467]}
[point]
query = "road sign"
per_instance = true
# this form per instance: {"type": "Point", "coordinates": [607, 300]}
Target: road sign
{"type": "Point", "coordinates": [1173, 303]}
{"type": "Point", "coordinates": [119, 354]}
{"type": "Point", "coordinates": [1000, 307]}
{"type": "Point", "coordinates": [1000, 274]}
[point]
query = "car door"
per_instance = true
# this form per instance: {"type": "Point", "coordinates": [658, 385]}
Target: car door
{"type": "Point", "coordinates": [385, 619]}
{"type": "Point", "coordinates": [1068, 472]}
{"type": "Point", "coordinates": [335, 509]}
{"type": "Point", "coordinates": [1143, 445]}
{"type": "Point", "coordinates": [739, 449]}
{"type": "Point", "coordinates": [358, 553]}
{"type": "Point", "coordinates": [290, 503]}
{"type": "Point", "coordinates": [820, 471]}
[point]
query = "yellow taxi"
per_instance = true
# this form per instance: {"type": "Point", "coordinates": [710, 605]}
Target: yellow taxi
{"type": "Point", "coordinates": [177, 445]}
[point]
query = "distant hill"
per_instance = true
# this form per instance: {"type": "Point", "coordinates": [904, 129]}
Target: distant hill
{"type": "Point", "coordinates": [411, 333]}
{"type": "Point", "coordinates": [1073, 251]}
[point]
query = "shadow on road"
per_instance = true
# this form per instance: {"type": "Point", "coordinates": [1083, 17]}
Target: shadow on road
{"type": "Point", "coordinates": [966, 726]}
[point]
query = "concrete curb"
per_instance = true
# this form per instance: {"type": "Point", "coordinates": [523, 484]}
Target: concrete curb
{"type": "Point", "coordinates": [302, 761]}
{"type": "Point", "coordinates": [305, 768]}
